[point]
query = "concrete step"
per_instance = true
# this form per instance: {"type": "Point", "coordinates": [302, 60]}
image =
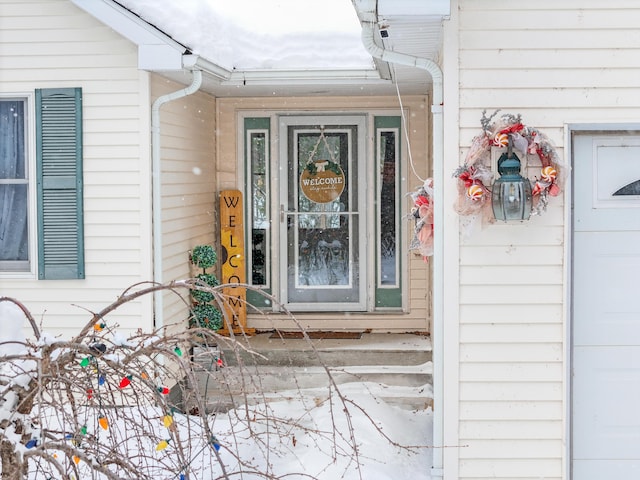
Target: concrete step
{"type": "Point", "coordinates": [395, 368]}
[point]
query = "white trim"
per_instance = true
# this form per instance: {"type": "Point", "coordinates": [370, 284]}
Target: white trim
{"type": "Point", "coordinates": [32, 194]}
{"type": "Point", "coordinates": [566, 298]}
{"type": "Point", "coordinates": [447, 340]}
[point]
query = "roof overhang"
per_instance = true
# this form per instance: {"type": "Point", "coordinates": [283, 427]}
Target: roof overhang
{"type": "Point", "coordinates": [410, 27]}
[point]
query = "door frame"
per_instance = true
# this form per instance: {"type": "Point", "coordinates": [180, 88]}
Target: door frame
{"type": "Point", "coordinates": [571, 129]}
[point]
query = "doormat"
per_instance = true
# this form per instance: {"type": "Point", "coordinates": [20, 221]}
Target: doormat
{"type": "Point", "coordinates": [318, 335]}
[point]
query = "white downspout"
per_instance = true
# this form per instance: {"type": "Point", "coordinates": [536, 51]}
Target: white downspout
{"type": "Point", "coordinates": [368, 31]}
{"type": "Point", "coordinates": [156, 188]}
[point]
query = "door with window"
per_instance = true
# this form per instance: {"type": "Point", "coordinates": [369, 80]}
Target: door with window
{"type": "Point", "coordinates": [322, 223]}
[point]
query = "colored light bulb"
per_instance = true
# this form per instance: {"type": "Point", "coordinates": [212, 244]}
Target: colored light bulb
{"type": "Point", "coordinates": [89, 394]}
{"type": "Point", "coordinates": [144, 375]}
{"type": "Point", "coordinates": [31, 443]}
{"type": "Point", "coordinates": [98, 327]}
{"type": "Point", "coordinates": [167, 420]}
{"type": "Point", "coordinates": [101, 379]}
{"type": "Point", "coordinates": [83, 430]}
{"type": "Point", "coordinates": [76, 459]}
{"type": "Point", "coordinates": [162, 445]}
{"type": "Point", "coordinates": [163, 390]}
{"type": "Point", "coordinates": [125, 381]}
{"type": "Point", "coordinates": [178, 351]}
{"type": "Point", "coordinates": [104, 423]}
{"type": "Point", "coordinates": [214, 442]}
{"type": "Point", "coordinates": [219, 362]}
{"type": "Point", "coordinates": [85, 362]}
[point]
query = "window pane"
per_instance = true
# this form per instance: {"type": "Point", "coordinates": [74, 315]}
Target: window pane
{"type": "Point", "coordinates": [388, 208]}
{"type": "Point", "coordinates": [14, 232]}
{"type": "Point", "coordinates": [12, 159]}
{"type": "Point", "coordinates": [260, 206]}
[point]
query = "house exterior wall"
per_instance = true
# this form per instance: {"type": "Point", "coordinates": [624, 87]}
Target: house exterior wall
{"type": "Point", "coordinates": [189, 200]}
{"type": "Point", "coordinates": [50, 44]}
{"type": "Point", "coordinates": [231, 177]}
{"type": "Point", "coordinates": [556, 63]}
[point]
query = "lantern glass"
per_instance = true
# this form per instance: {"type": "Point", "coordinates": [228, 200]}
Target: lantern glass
{"type": "Point", "coordinates": [511, 198]}
{"type": "Point", "coordinates": [511, 194]}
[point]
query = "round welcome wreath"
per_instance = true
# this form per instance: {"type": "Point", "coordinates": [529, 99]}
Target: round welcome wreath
{"type": "Point", "coordinates": [475, 177]}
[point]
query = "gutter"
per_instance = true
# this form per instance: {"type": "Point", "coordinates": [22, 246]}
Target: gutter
{"type": "Point", "coordinates": [157, 186]}
{"type": "Point", "coordinates": [368, 15]}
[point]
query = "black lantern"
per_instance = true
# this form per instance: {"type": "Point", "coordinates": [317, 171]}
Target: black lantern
{"type": "Point", "coordinates": [511, 193]}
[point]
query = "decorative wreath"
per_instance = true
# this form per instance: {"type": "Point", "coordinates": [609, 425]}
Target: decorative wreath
{"type": "Point", "coordinates": [475, 177]}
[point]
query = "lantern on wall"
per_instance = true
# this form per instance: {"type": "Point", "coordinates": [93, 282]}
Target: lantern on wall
{"type": "Point", "coordinates": [511, 193]}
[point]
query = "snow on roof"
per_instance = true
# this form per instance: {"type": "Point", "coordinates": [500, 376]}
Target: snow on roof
{"type": "Point", "coordinates": [262, 34]}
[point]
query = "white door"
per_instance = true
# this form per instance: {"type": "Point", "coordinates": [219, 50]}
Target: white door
{"type": "Point", "coordinates": [323, 261]}
{"type": "Point", "coordinates": [605, 404]}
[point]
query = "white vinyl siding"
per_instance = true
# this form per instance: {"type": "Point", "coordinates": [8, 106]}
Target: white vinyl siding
{"type": "Point", "coordinates": [554, 63]}
{"type": "Point", "coordinates": [53, 44]}
{"type": "Point", "coordinates": [189, 197]}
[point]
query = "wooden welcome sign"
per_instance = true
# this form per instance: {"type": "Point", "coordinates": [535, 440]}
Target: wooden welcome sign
{"type": "Point", "coordinates": [233, 263]}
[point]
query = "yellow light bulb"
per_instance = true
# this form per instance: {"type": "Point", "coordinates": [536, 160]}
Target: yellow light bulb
{"type": "Point", "coordinates": [162, 445]}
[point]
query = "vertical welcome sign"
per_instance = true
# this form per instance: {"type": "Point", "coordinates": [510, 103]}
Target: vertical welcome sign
{"type": "Point", "coordinates": [233, 262]}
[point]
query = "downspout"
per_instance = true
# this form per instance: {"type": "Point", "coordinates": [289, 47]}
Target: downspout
{"type": "Point", "coordinates": [156, 188]}
{"type": "Point", "coordinates": [368, 31]}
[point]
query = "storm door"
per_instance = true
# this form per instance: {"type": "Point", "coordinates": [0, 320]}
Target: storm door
{"type": "Point", "coordinates": [322, 217]}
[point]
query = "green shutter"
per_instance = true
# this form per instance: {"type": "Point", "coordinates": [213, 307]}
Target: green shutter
{"type": "Point", "coordinates": [59, 183]}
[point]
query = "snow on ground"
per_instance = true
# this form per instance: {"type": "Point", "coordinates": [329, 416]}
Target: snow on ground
{"type": "Point", "coordinates": [393, 443]}
{"type": "Point", "coordinates": [300, 435]}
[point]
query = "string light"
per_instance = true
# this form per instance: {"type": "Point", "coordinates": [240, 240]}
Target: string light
{"type": "Point", "coordinates": [167, 420]}
{"type": "Point", "coordinates": [101, 379]}
{"type": "Point", "coordinates": [85, 362]}
{"type": "Point", "coordinates": [89, 393]}
{"type": "Point", "coordinates": [76, 459]}
{"type": "Point", "coordinates": [125, 381]}
{"type": "Point", "coordinates": [215, 443]}
{"type": "Point", "coordinates": [163, 390]}
{"type": "Point", "coordinates": [104, 423]}
{"type": "Point", "coordinates": [178, 351]}
{"type": "Point", "coordinates": [98, 327]}
{"type": "Point", "coordinates": [162, 445]}
{"type": "Point", "coordinates": [32, 443]}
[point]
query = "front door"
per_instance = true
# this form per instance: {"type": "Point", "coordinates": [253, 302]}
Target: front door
{"type": "Point", "coordinates": [322, 216]}
{"type": "Point", "coordinates": [605, 423]}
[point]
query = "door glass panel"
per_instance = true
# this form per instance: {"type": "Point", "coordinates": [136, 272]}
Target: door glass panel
{"type": "Point", "coordinates": [322, 217]}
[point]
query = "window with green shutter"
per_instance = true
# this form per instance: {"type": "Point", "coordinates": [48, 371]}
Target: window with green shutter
{"type": "Point", "coordinates": [59, 183]}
